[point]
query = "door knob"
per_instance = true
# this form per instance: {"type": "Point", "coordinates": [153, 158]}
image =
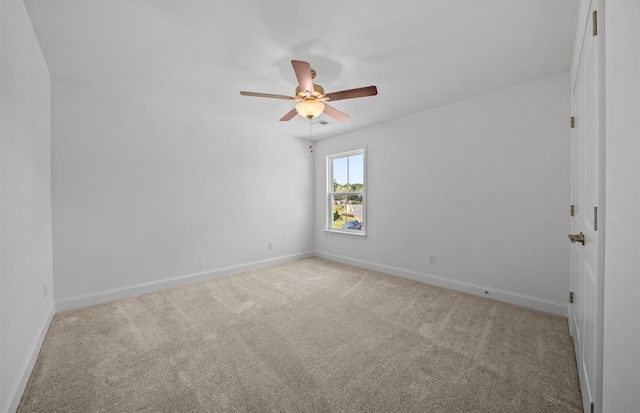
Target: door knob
{"type": "Point", "coordinates": [577, 238]}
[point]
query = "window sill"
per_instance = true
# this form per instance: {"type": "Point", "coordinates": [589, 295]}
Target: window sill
{"type": "Point", "coordinates": [347, 232]}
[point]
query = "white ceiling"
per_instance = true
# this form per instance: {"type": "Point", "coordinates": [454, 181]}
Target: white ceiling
{"type": "Point", "coordinates": [198, 54]}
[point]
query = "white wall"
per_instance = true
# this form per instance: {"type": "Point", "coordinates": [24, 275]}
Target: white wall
{"type": "Point", "coordinates": [146, 189]}
{"type": "Point", "coordinates": [621, 355]}
{"type": "Point", "coordinates": [25, 216]}
{"type": "Point", "coordinates": [482, 183]}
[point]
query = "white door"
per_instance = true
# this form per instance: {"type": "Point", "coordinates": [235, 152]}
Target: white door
{"type": "Point", "coordinates": [586, 280]}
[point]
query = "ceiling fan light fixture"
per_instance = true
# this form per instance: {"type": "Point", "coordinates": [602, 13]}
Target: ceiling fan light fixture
{"type": "Point", "coordinates": [310, 95]}
{"type": "Point", "coordinates": [310, 108]}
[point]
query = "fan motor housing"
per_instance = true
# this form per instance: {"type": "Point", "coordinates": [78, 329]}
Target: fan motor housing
{"type": "Point", "coordinates": [318, 92]}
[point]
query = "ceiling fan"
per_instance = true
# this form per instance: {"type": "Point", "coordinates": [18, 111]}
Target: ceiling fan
{"type": "Point", "coordinates": [310, 96]}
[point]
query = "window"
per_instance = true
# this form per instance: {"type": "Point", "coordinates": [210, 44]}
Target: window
{"type": "Point", "coordinates": [346, 192]}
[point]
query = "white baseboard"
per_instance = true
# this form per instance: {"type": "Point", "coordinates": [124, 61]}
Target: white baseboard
{"type": "Point", "coordinates": [26, 373]}
{"type": "Point", "coordinates": [99, 297]}
{"type": "Point", "coordinates": [534, 303]}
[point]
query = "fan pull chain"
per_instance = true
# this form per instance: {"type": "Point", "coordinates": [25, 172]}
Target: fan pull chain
{"type": "Point", "coordinates": [310, 137]}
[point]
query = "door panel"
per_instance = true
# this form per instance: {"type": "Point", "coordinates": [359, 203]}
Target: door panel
{"type": "Point", "coordinates": [589, 329]}
{"type": "Point", "coordinates": [585, 195]}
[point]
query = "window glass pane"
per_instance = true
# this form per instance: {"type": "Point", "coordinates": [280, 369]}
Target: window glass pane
{"type": "Point", "coordinates": [348, 173]}
{"type": "Point", "coordinates": [347, 212]}
{"type": "Point", "coordinates": [340, 174]}
{"type": "Point", "coordinates": [356, 171]}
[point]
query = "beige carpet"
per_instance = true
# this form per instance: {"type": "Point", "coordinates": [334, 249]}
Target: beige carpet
{"type": "Point", "coordinates": [306, 336]}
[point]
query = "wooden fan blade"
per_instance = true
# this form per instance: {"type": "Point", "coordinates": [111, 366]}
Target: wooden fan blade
{"type": "Point", "coordinates": [352, 93]}
{"type": "Point", "coordinates": [335, 113]}
{"type": "Point", "coordinates": [303, 73]}
{"type": "Point", "coordinates": [292, 114]}
{"type": "Point", "coordinates": [266, 95]}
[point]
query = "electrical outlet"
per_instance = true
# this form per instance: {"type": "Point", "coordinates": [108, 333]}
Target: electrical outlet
{"type": "Point", "coordinates": [432, 258]}
{"type": "Point", "coordinates": [272, 245]}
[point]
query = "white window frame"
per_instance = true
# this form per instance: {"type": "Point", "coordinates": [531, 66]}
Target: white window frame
{"type": "Point", "coordinates": [330, 193]}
